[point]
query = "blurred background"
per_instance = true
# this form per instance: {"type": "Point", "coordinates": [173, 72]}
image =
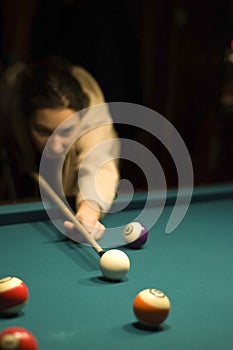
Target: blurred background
{"type": "Point", "coordinates": [174, 56]}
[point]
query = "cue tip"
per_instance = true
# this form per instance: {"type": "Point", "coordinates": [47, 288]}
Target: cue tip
{"type": "Point", "coordinates": [101, 253]}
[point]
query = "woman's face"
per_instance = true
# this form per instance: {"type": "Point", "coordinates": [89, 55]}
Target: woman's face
{"type": "Point", "coordinates": [43, 124]}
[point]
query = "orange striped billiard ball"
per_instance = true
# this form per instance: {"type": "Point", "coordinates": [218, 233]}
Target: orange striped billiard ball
{"type": "Point", "coordinates": [17, 338]}
{"type": "Point", "coordinates": [151, 307]}
{"type": "Point", "coordinates": [13, 295]}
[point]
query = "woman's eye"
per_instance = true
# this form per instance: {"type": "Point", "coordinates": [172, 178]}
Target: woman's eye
{"type": "Point", "coordinates": [65, 132]}
{"type": "Point", "coordinates": [43, 131]}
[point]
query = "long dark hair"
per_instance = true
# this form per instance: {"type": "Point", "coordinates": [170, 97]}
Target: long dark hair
{"type": "Point", "coordinates": [50, 84]}
{"type": "Point", "coordinates": [45, 84]}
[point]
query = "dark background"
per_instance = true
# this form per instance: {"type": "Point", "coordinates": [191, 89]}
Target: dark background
{"type": "Point", "coordinates": [173, 56]}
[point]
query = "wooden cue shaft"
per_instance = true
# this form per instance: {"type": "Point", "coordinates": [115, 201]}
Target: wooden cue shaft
{"type": "Point", "coordinates": [68, 213]}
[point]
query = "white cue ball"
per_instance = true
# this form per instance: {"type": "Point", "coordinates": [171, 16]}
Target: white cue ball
{"type": "Point", "coordinates": [114, 264]}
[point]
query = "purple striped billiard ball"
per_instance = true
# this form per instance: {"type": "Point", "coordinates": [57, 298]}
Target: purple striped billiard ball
{"type": "Point", "coordinates": [135, 235]}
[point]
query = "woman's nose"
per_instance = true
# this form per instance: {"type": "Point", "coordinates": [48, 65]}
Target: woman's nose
{"type": "Point", "coordinates": [57, 144]}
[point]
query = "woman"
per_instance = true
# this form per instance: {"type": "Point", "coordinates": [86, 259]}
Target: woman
{"type": "Point", "coordinates": [35, 100]}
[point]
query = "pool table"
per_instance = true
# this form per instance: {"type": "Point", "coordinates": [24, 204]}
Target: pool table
{"type": "Point", "coordinates": [72, 307]}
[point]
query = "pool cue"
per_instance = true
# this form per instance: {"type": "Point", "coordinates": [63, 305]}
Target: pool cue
{"type": "Point", "coordinates": [68, 213]}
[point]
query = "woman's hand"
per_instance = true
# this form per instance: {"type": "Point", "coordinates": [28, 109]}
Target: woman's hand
{"type": "Point", "coordinates": [88, 214]}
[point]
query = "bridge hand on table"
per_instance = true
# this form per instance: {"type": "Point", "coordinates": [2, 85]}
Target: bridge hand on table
{"type": "Point", "coordinates": [88, 216]}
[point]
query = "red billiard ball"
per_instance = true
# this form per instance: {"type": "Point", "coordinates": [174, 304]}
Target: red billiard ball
{"type": "Point", "coordinates": [151, 307]}
{"type": "Point", "coordinates": [13, 295]}
{"type": "Point", "coordinates": [135, 235]}
{"type": "Point", "coordinates": [17, 338]}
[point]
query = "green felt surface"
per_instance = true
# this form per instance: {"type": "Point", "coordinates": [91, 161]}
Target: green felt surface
{"type": "Point", "coordinates": [72, 307]}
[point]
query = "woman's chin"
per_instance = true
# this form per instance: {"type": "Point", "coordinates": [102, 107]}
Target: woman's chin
{"type": "Point", "coordinates": [52, 155]}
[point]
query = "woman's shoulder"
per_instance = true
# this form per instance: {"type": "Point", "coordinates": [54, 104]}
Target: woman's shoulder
{"type": "Point", "coordinates": [9, 84]}
{"type": "Point", "coordinates": [89, 85]}
{"type": "Point", "coordinates": [11, 73]}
